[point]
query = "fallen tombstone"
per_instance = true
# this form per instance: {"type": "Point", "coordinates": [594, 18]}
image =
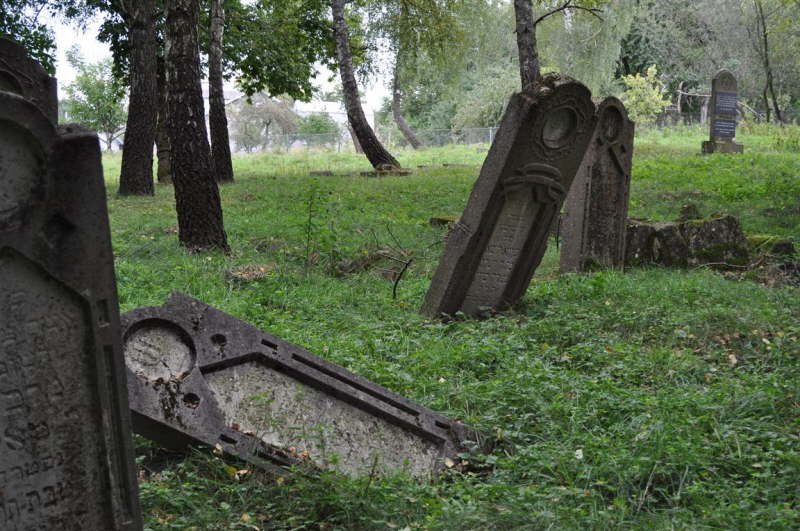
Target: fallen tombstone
{"type": "Point", "coordinates": [21, 75]}
{"type": "Point", "coordinates": [198, 375]}
{"type": "Point", "coordinates": [494, 249]}
{"type": "Point", "coordinates": [321, 173]}
{"type": "Point", "coordinates": [67, 452]}
{"type": "Point", "coordinates": [715, 241]}
{"type": "Point", "coordinates": [386, 173]}
{"type": "Point", "coordinates": [596, 209]}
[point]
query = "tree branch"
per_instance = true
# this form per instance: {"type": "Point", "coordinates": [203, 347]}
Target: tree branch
{"type": "Point", "coordinates": [568, 5]}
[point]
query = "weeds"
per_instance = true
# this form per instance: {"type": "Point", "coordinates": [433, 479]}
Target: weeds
{"type": "Point", "coordinates": [650, 399]}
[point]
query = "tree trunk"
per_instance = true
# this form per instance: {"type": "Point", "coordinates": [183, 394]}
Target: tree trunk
{"type": "Point", "coordinates": [220, 143]}
{"type": "Point", "coordinates": [397, 112]}
{"type": "Point", "coordinates": [765, 58]}
{"type": "Point", "coordinates": [354, 138]}
{"type": "Point", "coordinates": [377, 155]}
{"type": "Point", "coordinates": [162, 136]}
{"type": "Point", "coordinates": [197, 201]}
{"type": "Point", "coordinates": [136, 176]}
{"type": "Point", "coordinates": [529, 70]}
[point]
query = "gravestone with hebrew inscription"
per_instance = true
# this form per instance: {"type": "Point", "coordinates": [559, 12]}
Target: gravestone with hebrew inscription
{"type": "Point", "coordinates": [25, 77]}
{"type": "Point", "coordinates": [595, 215]}
{"type": "Point", "coordinates": [494, 249]}
{"type": "Point", "coordinates": [724, 94]}
{"type": "Point", "coordinates": [198, 375]}
{"type": "Point", "coordinates": [66, 453]}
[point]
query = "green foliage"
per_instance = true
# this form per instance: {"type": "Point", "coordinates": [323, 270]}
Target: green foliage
{"type": "Point", "coordinates": [94, 98]}
{"type": "Point", "coordinates": [19, 22]}
{"type": "Point", "coordinates": [318, 123]}
{"type": "Point", "coordinates": [679, 388]}
{"type": "Point", "coordinates": [788, 139]}
{"type": "Point", "coordinates": [644, 96]}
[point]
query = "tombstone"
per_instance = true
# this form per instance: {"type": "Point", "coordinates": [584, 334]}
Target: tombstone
{"type": "Point", "coordinates": [596, 210]}
{"type": "Point", "coordinates": [724, 93]}
{"type": "Point", "coordinates": [492, 252]}
{"type": "Point", "coordinates": [198, 375]}
{"type": "Point", "coordinates": [66, 453]}
{"type": "Point", "coordinates": [25, 77]}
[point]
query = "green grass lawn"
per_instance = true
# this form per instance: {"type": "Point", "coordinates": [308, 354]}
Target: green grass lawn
{"type": "Point", "coordinates": [650, 399]}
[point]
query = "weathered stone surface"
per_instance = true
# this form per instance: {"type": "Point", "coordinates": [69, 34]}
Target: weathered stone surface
{"type": "Point", "coordinates": [21, 75]}
{"type": "Point", "coordinates": [67, 458]}
{"type": "Point", "coordinates": [724, 94]}
{"type": "Point", "coordinates": [639, 243]}
{"type": "Point", "coordinates": [593, 225]}
{"type": "Point", "coordinates": [669, 247]}
{"type": "Point", "coordinates": [198, 375]}
{"type": "Point", "coordinates": [761, 244]}
{"type": "Point", "coordinates": [689, 211]}
{"type": "Point", "coordinates": [718, 241]}
{"type": "Point", "coordinates": [494, 249]}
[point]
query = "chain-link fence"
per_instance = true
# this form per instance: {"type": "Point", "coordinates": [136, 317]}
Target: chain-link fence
{"type": "Point", "coordinates": [393, 139]}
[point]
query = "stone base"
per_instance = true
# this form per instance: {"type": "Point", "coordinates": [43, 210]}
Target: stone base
{"type": "Point", "coordinates": [720, 146]}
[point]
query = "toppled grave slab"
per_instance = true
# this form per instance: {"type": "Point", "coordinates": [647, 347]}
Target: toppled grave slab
{"type": "Point", "coordinates": [198, 375]}
{"type": "Point", "coordinates": [386, 173]}
{"type": "Point", "coordinates": [718, 241]}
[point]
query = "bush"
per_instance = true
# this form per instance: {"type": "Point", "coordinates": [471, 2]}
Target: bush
{"type": "Point", "coordinates": [644, 96]}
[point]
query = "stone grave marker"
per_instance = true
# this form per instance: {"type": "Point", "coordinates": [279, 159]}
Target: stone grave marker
{"type": "Point", "coordinates": [25, 77]}
{"type": "Point", "coordinates": [66, 456]}
{"type": "Point", "coordinates": [596, 210]}
{"type": "Point", "coordinates": [724, 94]}
{"type": "Point", "coordinates": [494, 249]}
{"type": "Point", "coordinates": [198, 375]}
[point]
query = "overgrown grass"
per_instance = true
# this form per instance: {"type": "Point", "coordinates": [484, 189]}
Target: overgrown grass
{"type": "Point", "coordinates": [681, 389]}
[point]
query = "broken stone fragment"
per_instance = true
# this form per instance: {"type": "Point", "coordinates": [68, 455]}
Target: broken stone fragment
{"type": "Point", "coordinates": [718, 241]}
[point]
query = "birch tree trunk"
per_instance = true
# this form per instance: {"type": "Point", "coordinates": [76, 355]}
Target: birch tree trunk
{"type": "Point", "coordinates": [197, 201]}
{"type": "Point", "coordinates": [220, 142]}
{"type": "Point", "coordinates": [136, 175]}
{"type": "Point", "coordinates": [377, 155]}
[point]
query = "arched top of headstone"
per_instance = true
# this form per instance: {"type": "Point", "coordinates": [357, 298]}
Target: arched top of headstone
{"type": "Point", "coordinates": [725, 80]}
{"type": "Point", "coordinates": [613, 120]}
{"type": "Point", "coordinates": [28, 137]}
{"type": "Point", "coordinates": [22, 75]}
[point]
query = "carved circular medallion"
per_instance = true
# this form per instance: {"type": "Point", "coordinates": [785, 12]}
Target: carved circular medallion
{"type": "Point", "coordinates": [21, 171]}
{"type": "Point", "coordinates": [159, 350]}
{"type": "Point", "coordinates": [611, 124]}
{"type": "Point", "coordinates": [559, 127]}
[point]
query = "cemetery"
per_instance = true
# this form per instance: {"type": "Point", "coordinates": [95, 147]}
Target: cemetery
{"type": "Point", "coordinates": [589, 319]}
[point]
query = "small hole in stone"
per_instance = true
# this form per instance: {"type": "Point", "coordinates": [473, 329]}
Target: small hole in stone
{"type": "Point", "coordinates": [191, 400]}
{"type": "Point", "coordinates": [219, 340]}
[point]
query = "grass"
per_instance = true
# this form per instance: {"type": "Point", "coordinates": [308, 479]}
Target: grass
{"type": "Point", "coordinates": [650, 399]}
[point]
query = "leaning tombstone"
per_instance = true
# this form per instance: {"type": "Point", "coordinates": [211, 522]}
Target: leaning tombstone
{"type": "Point", "coordinates": [25, 77]}
{"type": "Point", "coordinates": [199, 376]}
{"type": "Point", "coordinates": [494, 249]}
{"type": "Point", "coordinates": [67, 453]}
{"type": "Point", "coordinates": [724, 94]}
{"type": "Point", "coordinates": [596, 210]}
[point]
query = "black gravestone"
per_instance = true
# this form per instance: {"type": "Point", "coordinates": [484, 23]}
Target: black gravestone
{"type": "Point", "coordinates": [198, 375]}
{"type": "Point", "coordinates": [25, 77]}
{"type": "Point", "coordinates": [66, 456]}
{"type": "Point", "coordinates": [494, 249]}
{"type": "Point", "coordinates": [596, 210]}
{"type": "Point", "coordinates": [724, 93]}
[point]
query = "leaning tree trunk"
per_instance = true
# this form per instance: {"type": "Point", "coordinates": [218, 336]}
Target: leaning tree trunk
{"type": "Point", "coordinates": [162, 136]}
{"type": "Point", "coordinates": [529, 71]}
{"type": "Point", "coordinates": [397, 108]}
{"type": "Point", "coordinates": [377, 155]}
{"type": "Point", "coordinates": [197, 202]}
{"type": "Point", "coordinates": [136, 176]}
{"type": "Point", "coordinates": [354, 138]}
{"type": "Point", "coordinates": [220, 142]}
